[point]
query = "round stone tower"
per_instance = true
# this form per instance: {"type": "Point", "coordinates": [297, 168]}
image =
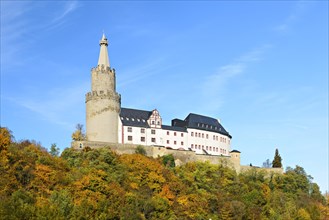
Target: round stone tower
{"type": "Point", "coordinates": [103, 103]}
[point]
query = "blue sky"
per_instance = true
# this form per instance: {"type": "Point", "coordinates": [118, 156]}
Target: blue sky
{"type": "Point", "coordinates": [260, 67]}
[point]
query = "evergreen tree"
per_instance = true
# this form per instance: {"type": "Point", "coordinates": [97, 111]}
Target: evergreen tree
{"type": "Point", "coordinates": [54, 150]}
{"type": "Point", "coordinates": [277, 161]}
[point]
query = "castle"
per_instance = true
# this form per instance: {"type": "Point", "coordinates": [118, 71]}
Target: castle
{"type": "Point", "coordinates": [197, 137]}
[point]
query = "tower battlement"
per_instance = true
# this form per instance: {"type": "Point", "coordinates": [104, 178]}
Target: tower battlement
{"type": "Point", "coordinates": [101, 94]}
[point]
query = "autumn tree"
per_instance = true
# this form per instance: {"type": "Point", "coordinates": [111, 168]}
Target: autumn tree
{"type": "Point", "coordinates": [6, 137]}
{"type": "Point", "coordinates": [79, 134]}
{"type": "Point", "coordinates": [277, 161]}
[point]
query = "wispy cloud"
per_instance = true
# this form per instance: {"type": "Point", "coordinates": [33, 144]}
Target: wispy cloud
{"type": "Point", "coordinates": [57, 106]}
{"type": "Point", "coordinates": [216, 84]}
{"type": "Point", "coordinates": [20, 31]}
{"type": "Point", "coordinates": [297, 12]}
{"type": "Point", "coordinates": [145, 70]}
{"type": "Point", "coordinates": [69, 7]}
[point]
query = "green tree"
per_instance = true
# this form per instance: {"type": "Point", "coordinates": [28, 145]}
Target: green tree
{"type": "Point", "coordinates": [277, 161]}
{"type": "Point", "coordinates": [79, 134]}
{"type": "Point", "coordinates": [168, 160]}
{"type": "Point", "coordinates": [267, 164]}
{"type": "Point", "coordinates": [54, 150]}
{"type": "Point", "coordinates": [140, 150]}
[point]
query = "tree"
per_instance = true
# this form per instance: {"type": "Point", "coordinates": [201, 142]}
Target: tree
{"type": "Point", "coordinates": [277, 161]}
{"type": "Point", "coordinates": [168, 160]}
{"type": "Point", "coordinates": [54, 150]}
{"type": "Point", "coordinates": [267, 164]}
{"type": "Point", "coordinates": [79, 134]}
{"type": "Point", "coordinates": [6, 138]}
{"type": "Point", "coordinates": [140, 150]}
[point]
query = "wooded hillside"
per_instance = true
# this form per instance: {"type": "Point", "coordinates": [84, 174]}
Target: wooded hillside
{"type": "Point", "coordinates": [99, 184]}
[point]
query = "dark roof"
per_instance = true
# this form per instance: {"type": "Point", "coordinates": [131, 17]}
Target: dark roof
{"type": "Point", "coordinates": [135, 117]}
{"type": "Point", "coordinates": [235, 151]}
{"type": "Point", "coordinates": [202, 123]}
{"type": "Point", "coordinates": [173, 128]}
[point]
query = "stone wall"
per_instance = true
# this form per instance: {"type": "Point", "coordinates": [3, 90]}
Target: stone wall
{"type": "Point", "coordinates": [181, 156]}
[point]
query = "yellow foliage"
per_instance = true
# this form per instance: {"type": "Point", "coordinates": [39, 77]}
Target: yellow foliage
{"type": "Point", "coordinates": [5, 138]}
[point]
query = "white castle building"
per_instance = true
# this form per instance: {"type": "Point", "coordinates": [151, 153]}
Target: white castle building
{"type": "Point", "coordinates": [107, 121]}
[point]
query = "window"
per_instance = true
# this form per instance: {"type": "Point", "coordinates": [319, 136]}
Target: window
{"type": "Point", "coordinates": [175, 142]}
{"type": "Point", "coordinates": [207, 136]}
{"type": "Point", "coordinates": [143, 120]}
{"type": "Point", "coordinates": [192, 134]}
{"type": "Point", "coordinates": [121, 118]}
{"type": "Point", "coordinates": [130, 138]}
{"type": "Point", "coordinates": [192, 146]}
{"type": "Point", "coordinates": [210, 148]}
{"type": "Point", "coordinates": [167, 141]}
{"type": "Point", "coordinates": [213, 137]}
{"type": "Point", "coordinates": [174, 133]}
{"type": "Point", "coordinates": [182, 143]}
{"type": "Point", "coordinates": [142, 139]}
{"type": "Point", "coordinates": [199, 147]}
{"type": "Point", "coordinates": [216, 138]}
{"type": "Point", "coordinates": [202, 147]}
{"type": "Point", "coordinates": [167, 132]}
{"type": "Point", "coordinates": [127, 119]}
{"type": "Point", "coordinates": [153, 140]}
{"type": "Point", "coordinates": [152, 122]}
{"type": "Point", "coordinates": [206, 147]}
{"type": "Point", "coordinates": [130, 129]}
{"type": "Point", "coordinates": [138, 120]}
{"type": "Point", "coordinates": [202, 135]}
{"type": "Point", "coordinates": [152, 131]}
{"type": "Point", "coordinates": [142, 130]}
{"type": "Point", "coordinates": [133, 119]}
{"type": "Point", "coordinates": [181, 134]}
{"type": "Point", "coordinates": [158, 123]}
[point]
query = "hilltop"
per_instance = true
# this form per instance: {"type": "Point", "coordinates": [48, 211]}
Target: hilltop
{"type": "Point", "coordinates": [100, 184]}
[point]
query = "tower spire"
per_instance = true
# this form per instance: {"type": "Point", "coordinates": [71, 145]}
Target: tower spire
{"type": "Point", "coordinates": [103, 54]}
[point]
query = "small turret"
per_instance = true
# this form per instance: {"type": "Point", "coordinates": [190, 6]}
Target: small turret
{"type": "Point", "coordinates": [235, 158]}
{"type": "Point", "coordinates": [103, 54]}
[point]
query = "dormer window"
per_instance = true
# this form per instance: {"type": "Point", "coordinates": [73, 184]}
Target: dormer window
{"type": "Point", "coordinates": [143, 120]}
{"type": "Point", "coordinates": [127, 119]}
{"type": "Point", "coordinates": [138, 120]}
{"type": "Point", "coordinates": [133, 119]}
